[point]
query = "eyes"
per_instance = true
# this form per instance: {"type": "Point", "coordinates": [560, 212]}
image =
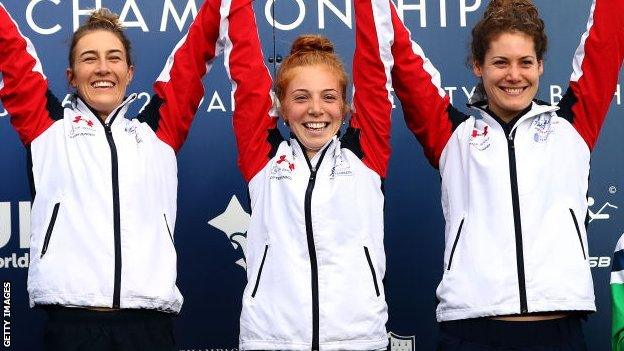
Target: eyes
{"type": "Point", "coordinates": [91, 58]}
{"type": "Point", "coordinates": [305, 97]}
{"type": "Point", "coordinates": [524, 63]}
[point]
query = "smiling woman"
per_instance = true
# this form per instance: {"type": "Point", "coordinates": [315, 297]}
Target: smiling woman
{"type": "Point", "coordinates": [311, 87]}
{"type": "Point", "coordinates": [315, 251]}
{"type": "Point", "coordinates": [103, 263]}
{"type": "Point", "coordinates": [100, 73]}
{"type": "Point", "coordinates": [514, 175]}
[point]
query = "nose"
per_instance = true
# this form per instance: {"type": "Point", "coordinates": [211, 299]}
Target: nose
{"type": "Point", "coordinates": [315, 108]}
{"type": "Point", "coordinates": [102, 67]}
{"type": "Point", "coordinates": [513, 73]}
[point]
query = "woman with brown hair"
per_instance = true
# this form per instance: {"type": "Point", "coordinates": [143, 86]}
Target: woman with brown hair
{"type": "Point", "coordinates": [102, 256]}
{"type": "Point", "coordinates": [514, 175]}
{"type": "Point", "coordinates": [315, 254]}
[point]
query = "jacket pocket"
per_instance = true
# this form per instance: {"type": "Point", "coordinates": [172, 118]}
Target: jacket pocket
{"type": "Point", "coordinates": [48, 235]}
{"type": "Point", "coordinates": [168, 230]}
{"type": "Point", "coordinates": [461, 224]}
{"type": "Point", "coordinates": [372, 269]}
{"type": "Point", "coordinates": [578, 232]}
{"type": "Point", "coordinates": [255, 289]}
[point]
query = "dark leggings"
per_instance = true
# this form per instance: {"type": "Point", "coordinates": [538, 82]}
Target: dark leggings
{"type": "Point", "coordinates": [76, 329]}
{"type": "Point", "coordinates": [482, 334]}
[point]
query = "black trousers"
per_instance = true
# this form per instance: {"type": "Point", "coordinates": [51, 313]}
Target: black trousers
{"type": "Point", "coordinates": [484, 334]}
{"type": "Point", "coordinates": [76, 329]}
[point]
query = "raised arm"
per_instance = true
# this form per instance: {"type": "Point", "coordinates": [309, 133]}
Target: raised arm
{"type": "Point", "coordinates": [596, 64]}
{"type": "Point", "coordinates": [23, 86]}
{"type": "Point", "coordinates": [617, 297]}
{"type": "Point", "coordinates": [256, 131]}
{"type": "Point", "coordinates": [179, 88]}
{"type": "Point", "coordinates": [372, 99]}
{"type": "Point", "coordinates": [426, 106]}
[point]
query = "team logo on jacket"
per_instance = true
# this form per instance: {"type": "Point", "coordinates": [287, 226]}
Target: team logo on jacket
{"type": "Point", "coordinates": [480, 138]}
{"type": "Point", "coordinates": [131, 129]}
{"type": "Point", "coordinates": [341, 167]}
{"type": "Point", "coordinates": [543, 128]}
{"type": "Point", "coordinates": [81, 126]}
{"type": "Point", "coordinates": [401, 343]}
{"type": "Point", "coordinates": [282, 168]}
{"type": "Point", "coordinates": [233, 222]}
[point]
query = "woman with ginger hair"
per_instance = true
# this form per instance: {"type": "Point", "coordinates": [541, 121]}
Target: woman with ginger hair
{"type": "Point", "coordinates": [514, 174]}
{"type": "Point", "coordinates": [103, 262]}
{"type": "Point", "coordinates": [315, 254]}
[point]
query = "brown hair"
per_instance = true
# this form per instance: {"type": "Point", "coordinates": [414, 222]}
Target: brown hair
{"type": "Point", "coordinates": [311, 50]}
{"type": "Point", "coordinates": [507, 16]}
{"type": "Point", "coordinates": [101, 19]}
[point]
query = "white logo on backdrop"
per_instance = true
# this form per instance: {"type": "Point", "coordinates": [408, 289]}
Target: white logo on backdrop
{"type": "Point", "coordinates": [604, 212]}
{"type": "Point", "coordinates": [233, 222]}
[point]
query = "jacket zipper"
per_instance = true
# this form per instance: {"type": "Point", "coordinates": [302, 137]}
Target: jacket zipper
{"type": "Point", "coordinates": [48, 234]}
{"type": "Point", "coordinates": [255, 289]}
{"type": "Point", "coordinates": [311, 247]}
{"type": "Point", "coordinates": [461, 224]}
{"type": "Point", "coordinates": [116, 211]}
{"type": "Point", "coordinates": [372, 269]}
{"type": "Point", "coordinates": [517, 223]}
{"type": "Point", "coordinates": [168, 230]}
{"type": "Point", "coordinates": [578, 232]}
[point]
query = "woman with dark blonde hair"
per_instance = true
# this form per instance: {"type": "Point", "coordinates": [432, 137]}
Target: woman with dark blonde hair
{"type": "Point", "coordinates": [315, 254]}
{"type": "Point", "coordinates": [103, 261]}
{"type": "Point", "coordinates": [514, 174]}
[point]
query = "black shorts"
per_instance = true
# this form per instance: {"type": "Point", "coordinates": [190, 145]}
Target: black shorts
{"type": "Point", "coordinates": [77, 329]}
{"type": "Point", "coordinates": [482, 334]}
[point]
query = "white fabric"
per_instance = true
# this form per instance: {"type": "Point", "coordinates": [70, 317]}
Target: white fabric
{"type": "Point", "coordinates": [72, 166]}
{"type": "Point", "coordinates": [347, 215]}
{"type": "Point", "coordinates": [552, 163]}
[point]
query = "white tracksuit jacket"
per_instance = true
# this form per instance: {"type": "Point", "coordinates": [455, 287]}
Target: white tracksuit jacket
{"type": "Point", "coordinates": [104, 209]}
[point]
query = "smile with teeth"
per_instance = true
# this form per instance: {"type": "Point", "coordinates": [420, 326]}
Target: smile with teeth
{"type": "Point", "coordinates": [513, 91]}
{"type": "Point", "coordinates": [102, 84]}
{"type": "Point", "coordinates": [316, 125]}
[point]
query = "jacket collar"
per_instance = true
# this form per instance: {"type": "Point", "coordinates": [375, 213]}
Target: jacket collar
{"type": "Point", "coordinates": [536, 108]}
{"type": "Point", "coordinates": [79, 104]}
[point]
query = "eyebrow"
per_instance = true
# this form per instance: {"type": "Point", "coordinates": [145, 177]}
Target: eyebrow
{"type": "Point", "coordinates": [94, 52]}
{"type": "Point", "coordinates": [506, 58]}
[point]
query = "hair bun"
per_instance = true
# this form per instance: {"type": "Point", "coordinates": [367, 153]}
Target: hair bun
{"type": "Point", "coordinates": [104, 18]}
{"type": "Point", "coordinates": [311, 43]}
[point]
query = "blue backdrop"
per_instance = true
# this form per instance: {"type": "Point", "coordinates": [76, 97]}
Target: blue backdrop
{"type": "Point", "coordinates": [212, 202]}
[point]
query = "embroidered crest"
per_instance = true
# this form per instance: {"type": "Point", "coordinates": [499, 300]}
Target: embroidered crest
{"type": "Point", "coordinates": [543, 128]}
{"type": "Point", "coordinates": [480, 138]}
{"type": "Point", "coordinates": [282, 168]}
{"type": "Point", "coordinates": [81, 126]}
{"type": "Point", "coordinates": [131, 129]}
{"type": "Point", "coordinates": [341, 167]}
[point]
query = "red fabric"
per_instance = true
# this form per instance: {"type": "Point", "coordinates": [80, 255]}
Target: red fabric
{"type": "Point", "coordinates": [372, 105]}
{"type": "Point", "coordinates": [604, 52]}
{"type": "Point", "coordinates": [24, 91]}
{"type": "Point", "coordinates": [424, 110]}
{"type": "Point", "coordinates": [184, 90]}
{"type": "Point", "coordinates": [253, 84]}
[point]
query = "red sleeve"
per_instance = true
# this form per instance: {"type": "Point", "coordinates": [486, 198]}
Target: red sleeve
{"type": "Point", "coordinates": [251, 84]}
{"type": "Point", "coordinates": [372, 101]}
{"type": "Point", "coordinates": [417, 83]}
{"type": "Point", "coordinates": [179, 87]}
{"type": "Point", "coordinates": [23, 86]}
{"type": "Point", "coordinates": [596, 64]}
